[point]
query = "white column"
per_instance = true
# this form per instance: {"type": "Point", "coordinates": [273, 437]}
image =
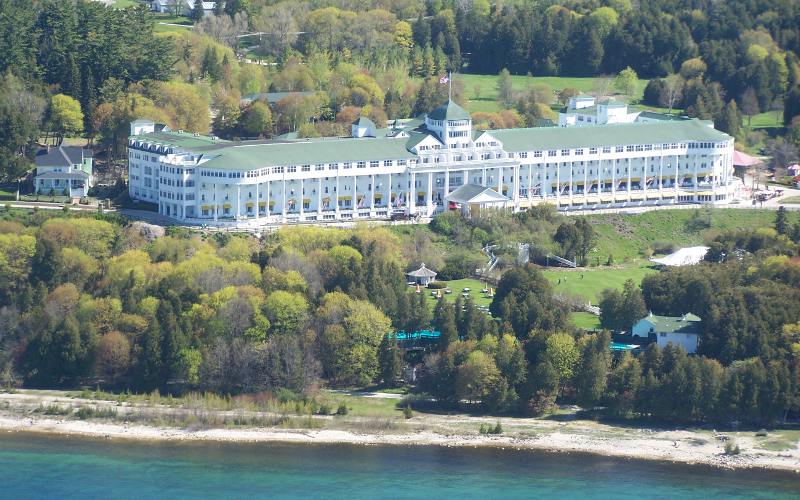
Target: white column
{"type": "Point", "coordinates": [694, 180]}
{"type": "Point", "coordinates": [238, 201]}
{"type": "Point", "coordinates": [372, 195]}
{"type": "Point", "coordinates": [447, 181]}
{"type": "Point", "coordinates": [516, 187]}
{"type": "Point", "coordinates": [430, 194]}
{"type": "Point", "coordinates": [389, 196]}
{"type": "Point", "coordinates": [500, 180]}
{"type": "Point", "coordinates": [215, 202]}
{"type": "Point", "coordinates": [267, 207]}
{"type": "Point", "coordinates": [319, 198]}
{"type": "Point", "coordinates": [258, 201]}
{"type": "Point", "coordinates": [530, 184]}
{"type": "Point", "coordinates": [661, 176]}
{"type": "Point", "coordinates": [284, 200]}
{"type": "Point", "coordinates": [302, 198]}
{"type": "Point", "coordinates": [628, 163]}
{"type": "Point", "coordinates": [336, 195]}
{"type": "Point", "coordinates": [412, 194]}
{"type": "Point", "coordinates": [585, 181]}
{"type": "Point", "coordinates": [355, 196]}
{"type": "Point", "coordinates": [558, 184]}
{"type": "Point", "coordinates": [677, 172]}
{"type": "Point", "coordinates": [545, 185]}
{"type": "Point", "coordinates": [613, 180]}
{"type": "Point", "coordinates": [571, 181]}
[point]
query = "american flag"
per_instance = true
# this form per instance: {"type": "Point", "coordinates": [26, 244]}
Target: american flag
{"type": "Point", "coordinates": [444, 80]}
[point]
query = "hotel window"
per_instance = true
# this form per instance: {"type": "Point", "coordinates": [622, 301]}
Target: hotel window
{"type": "Point", "coordinates": [592, 151]}
{"type": "Point", "coordinates": [387, 163]}
{"type": "Point", "coordinates": [278, 170]}
{"type": "Point", "coordinates": [319, 167]}
{"type": "Point", "coordinates": [333, 166]}
{"type": "Point", "coordinates": [552, 152]}
{"type": "Point", "coordinates": [306, 168]}
{"type": "Point", "coordinates": [628, 148]}
{"type": "Point", "coordinates": [606, 150]}
{"type": "Point", "coordinates": [347, 165]}
{"type": "Point", "coordinates": [374, 164]}
{"type": "Point", "coordinates": [619, 149]}
{"type": "Point", "coordinates": [292, 168]}
{"type": "Point", "coordinates": [565, 152]}
{"type": "Point", "coordinates": [537, 154]}
{"type": "Point", "coordinates": [523, 154]}
{"type": "Point", "coordinates": [579, 152]}
{"type": "Point", "coordinates": [401, 163]}
{"type": "Point", "coordinates": [361, 164]}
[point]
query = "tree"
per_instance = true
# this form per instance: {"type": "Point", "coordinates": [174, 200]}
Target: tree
{"type": "Point", "coordinates": [197, 12]}
{"type": "Point", "coordinates": [256, 120]}
{"type": "Point", "coordinates": [592, 372]}
{"type": "Point", "coordinates": [112, 357]}
{"type": "Point", "coordinates": [672, 91]}
{"type": "Point", "coordinates": [626, 82]}
{"type": "Point", "coordinates": [477, 377]}
{"type": "Point", "coordinates": [21, 112]}
{"type": "Point", "coordinates": [286, 312]}
{"type": "Point", "coordinates": [693, 68]}
{"type": "Point", "coordinates": [505, 89]}
{"type": "Point", "coordinates": [730, 121]}
{"type": "Point", "coordinates": [749, 104]}
{"type": "Point", "coordinates": [390, 359]}
{"type": "Point", "coordinates": [563, 354]}
{"type": "Point", "coordinates": [444, 320]}
{"type": "Point", "coordinates": [781, 221]}
{"type": "Point", "coordinates": [66, 117]}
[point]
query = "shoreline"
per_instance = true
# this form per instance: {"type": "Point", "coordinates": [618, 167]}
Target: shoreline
{"type": "Point", "coordinates": [649, 447]}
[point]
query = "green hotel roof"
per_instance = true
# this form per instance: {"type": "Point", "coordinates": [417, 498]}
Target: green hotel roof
{"type": "Point", "coordinates": [529, 139]}
{"type": "Point", "coordinates": [328, 150]}
{"type": "Point", "coordinates": [251, 155]}
{"type": "Point", "coordinates": [180, 139]}
{"type": "Point", "coordinates": [449, 111]}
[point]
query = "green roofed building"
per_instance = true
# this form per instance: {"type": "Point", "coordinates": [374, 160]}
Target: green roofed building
{"type": "Point", "coordinates": [413, 166]}
{"type": "Point", "coordinates": [682, 331]}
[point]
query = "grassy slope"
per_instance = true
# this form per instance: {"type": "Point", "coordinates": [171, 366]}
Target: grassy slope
{"type": "Point", "coordinates": [588, 283]}
{"type": "Point", "coordinates": [625, 236]}
{"type": "Point", "coordinates": [487, 101]}
{"type": "Point", "coordinates": [456, 286]}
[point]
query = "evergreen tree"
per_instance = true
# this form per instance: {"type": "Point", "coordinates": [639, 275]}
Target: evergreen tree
{"type": "Point", "coordinates": [197, 12]}
{"type": "Point", "coordinates": [390, 360]}
{"type": "Point", "coordinates": [444, 320]}
{"type": "Point", "coordinates": [730, 121]}
{"type": "Point", "coordinates": [782, 221]}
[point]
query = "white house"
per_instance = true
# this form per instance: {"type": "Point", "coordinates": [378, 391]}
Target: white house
{"type": "Point", "coordinates": [680, 331]}
{"type": "Point", "coordinates": [584, 110]}
{"type": "Point", "coordinates": [64, 170]}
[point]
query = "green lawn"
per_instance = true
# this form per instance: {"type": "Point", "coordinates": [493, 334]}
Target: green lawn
{"type": "Point", "coordinates": [486, 99]}
{"type": "Point", "coordinates": [587, 283]}
{"type": "Point", "coordinates": [625, 236]}
{"type": "Point", "coordinates": [587, 321]}
{"type": "Point", "coordinates": [121, 4]}
{"type": "Point", "coordinates": [791, 200]}
{"type": "Point", "coordinates": [764, 120]}
{"type": "Point", "coordinates": [456, 286]}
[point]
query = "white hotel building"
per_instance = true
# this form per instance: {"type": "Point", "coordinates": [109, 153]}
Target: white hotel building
{"type": "Point", "coordinates": [413, 168]}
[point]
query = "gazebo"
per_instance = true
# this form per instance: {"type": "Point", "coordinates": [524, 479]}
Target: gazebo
{"type": "Point", "coordinates": [422, 276]}
{"type": "Point", "coordinates": [472, 198]}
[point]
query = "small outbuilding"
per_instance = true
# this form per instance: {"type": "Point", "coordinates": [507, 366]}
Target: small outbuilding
{"type": "Point", "coordinates": [472, 198]}
{"type": "Point", "coordinates": [680, 331]}
{"type": "Point", "coordinates": [422, 276]}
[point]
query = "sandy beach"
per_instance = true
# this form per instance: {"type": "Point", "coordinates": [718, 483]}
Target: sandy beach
{"type": "Point", "coordinates": [570, 436]}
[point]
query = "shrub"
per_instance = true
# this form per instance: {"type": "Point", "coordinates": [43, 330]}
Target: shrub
{"type": "Point", "coordinates": [407, 412]}
{"type": "Point", "coordinates": [342, 410]}
{"type": "Point", "coordinates": [731, 448]}
{"type": "Point", "coordinates": [437, 285]}
{"type": "Point", "coordinates": [324, 409]}
{"type": "Point", "coordinates": [663, 247]}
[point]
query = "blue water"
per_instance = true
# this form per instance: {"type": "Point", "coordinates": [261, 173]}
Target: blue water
{"type": "Point", "coordinates": [37, 467]}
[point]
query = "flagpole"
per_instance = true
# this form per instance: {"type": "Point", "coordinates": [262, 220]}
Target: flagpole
{"type": "Point", "coordinates": [449, 85]}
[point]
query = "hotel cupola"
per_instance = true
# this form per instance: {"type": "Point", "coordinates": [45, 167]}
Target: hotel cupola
{"type": "Point", "coordinates": [451, 123]}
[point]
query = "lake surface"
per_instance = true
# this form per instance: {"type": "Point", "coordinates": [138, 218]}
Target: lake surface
{"type": "Point", "coordinates": [44, 467]}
